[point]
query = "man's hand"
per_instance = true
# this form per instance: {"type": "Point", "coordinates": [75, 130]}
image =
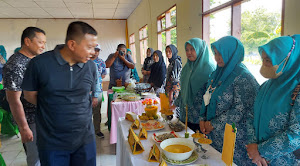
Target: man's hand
{"type": "Point", "coordinates": [94, 102]}
{"type": "Point", "coordinates": [26, 134]}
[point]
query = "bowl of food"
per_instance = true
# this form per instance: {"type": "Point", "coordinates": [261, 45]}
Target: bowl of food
{"type": "Point", "coordinates": [177, 148]}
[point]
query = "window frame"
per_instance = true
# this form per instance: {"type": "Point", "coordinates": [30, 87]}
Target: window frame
{"type": "Point", "coordinates": [132, 47]}
{"type": "Point", "coordinates": [142, 42]}
{"type": "Point", "coordinates": [167, 30]}
{"type": "Point", "coordinates": [236, 14]}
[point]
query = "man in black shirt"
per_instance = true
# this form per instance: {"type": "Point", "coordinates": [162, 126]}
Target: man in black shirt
{"type": "Point", "coordinates": [60, 82]}
{"type": "Point", "coordinates": [33, 43]}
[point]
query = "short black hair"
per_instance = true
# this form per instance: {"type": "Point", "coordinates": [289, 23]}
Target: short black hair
{"type": "Point", "coordinates": [30, 33]}
{"type": "Point", "coordinates": [121, 46]}
{"type": "Point", "coordinates": [77, 30]}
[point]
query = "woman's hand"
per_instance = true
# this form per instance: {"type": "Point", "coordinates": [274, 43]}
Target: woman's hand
{"type": "Point", "coordinates": [260, 162]}
{"type": "Point", "coordinates": [253, 154]}
{"type": "Point", "coordinates": [208, 127]}
{"type": "Point", "coordinates": [202, 126]}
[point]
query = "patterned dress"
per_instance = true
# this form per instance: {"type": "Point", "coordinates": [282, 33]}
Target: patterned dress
{"type": "Point", "coordinates": [233, 106]}
{"type": "Point", "coordinates": [193, 110]}
{"type": "Point", "coordinates": [283, 137]}
{"type": "Point", "coordinates": [173, 78]}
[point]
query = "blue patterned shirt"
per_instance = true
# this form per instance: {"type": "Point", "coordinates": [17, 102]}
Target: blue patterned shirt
{"type": "Point", "coordinates": [101, 69]}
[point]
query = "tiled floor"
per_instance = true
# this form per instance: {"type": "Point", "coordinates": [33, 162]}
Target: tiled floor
{"type": "Point", "coordinates": [14, 155]}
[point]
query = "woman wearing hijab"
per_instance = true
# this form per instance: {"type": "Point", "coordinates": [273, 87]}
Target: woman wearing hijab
{"type": "Point", "coordinates": [134, 73]}
{"type": "Point", "coordinates": [229, 97]}
{"type": "Point", "coordinates": [147, 63]}
{"type": "Point", "coordinates": [2, 60]}
{"type": "Point", "coordinates": [276, 134]}
{"type": "Point", "coordinates": [173, 73]}
{"type": "Point", "coordinates": [158, 71]}
{"type": "Point", "coordinates": [193, 78]}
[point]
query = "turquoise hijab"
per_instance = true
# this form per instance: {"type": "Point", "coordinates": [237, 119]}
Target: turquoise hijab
{"type": "Point", "coordinates": [3, 52]}
{"type": "Point", "coordinates": [17, 49]}
{"type": "Point", "coordinates": [232, 51]}
{"type": "Point", "coordinates": [274, 96]}
{"type": "Point", "coordinates": [195, 74]}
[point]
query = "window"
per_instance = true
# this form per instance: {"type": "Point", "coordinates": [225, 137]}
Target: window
{"type": "Point", "coordinates": [253, 22]}
{"type": "Point", "coordinates": [132, 47]}
{"type": "Point", "coordinates": [166, 30]}
{"type": "Point", "coordinates": [143, 42]}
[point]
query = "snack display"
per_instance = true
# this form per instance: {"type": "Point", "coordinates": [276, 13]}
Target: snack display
{"type": "Point", "coordinates": [144, 117]}
{"type": "Point", "coordinates": [178, 126]}
{"type": "Point", "coordinates": [204, 141]}
{"type": "Point", "coordinates": [198, 135]}
{"type": "Point", "coordinates": [133, 97]}
{"type": "Point", "coordinates": [150, 109]}
{"type": "Point", "coordinates": [159, 137]}
{"type": "Point", "coordinates": [152, 125]}
{"type": "Point", "coordinates": [154, 154]}
{"type": "Point", "coordinates": [130, 116]}
{"type": "Point", "coordinates": [136, 124]}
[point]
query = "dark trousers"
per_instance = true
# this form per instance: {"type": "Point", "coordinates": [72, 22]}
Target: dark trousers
{"type": "Point", "coordinates": [83, 156]}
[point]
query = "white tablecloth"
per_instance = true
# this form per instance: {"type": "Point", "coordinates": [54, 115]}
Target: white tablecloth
{"type": "Point", "coordinates": [126, 158]}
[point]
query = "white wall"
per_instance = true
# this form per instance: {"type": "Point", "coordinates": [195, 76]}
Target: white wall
{"type": "Point", "coordinates": [110, 32]}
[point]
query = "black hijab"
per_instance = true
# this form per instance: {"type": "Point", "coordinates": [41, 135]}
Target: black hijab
{"type": "Point", "coordinates": [158, 70]}
{"type": "Point", "coordinates": [174, 52]}
{"type": "Point", "coordinates": [148, 60]}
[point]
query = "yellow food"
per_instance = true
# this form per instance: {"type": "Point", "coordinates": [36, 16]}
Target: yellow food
{"type": "Point", "coordinates": [151, 111]}
{"type": "Point", "coordinates": [129, 117]}
{"type": "Point", "coordinates": [177, 148]}
{"type": "Point", "coordinates": [143, 117]}
{"type": "Point", "coordinates": [204, 141]}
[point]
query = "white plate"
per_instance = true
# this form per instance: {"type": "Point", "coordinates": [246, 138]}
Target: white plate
{"type": "Point", "coordinates": [190, 160]}
{"type": "Point", "coordinates": [151, 123]}
{"type": "Point", "coordinates": [160, 133]}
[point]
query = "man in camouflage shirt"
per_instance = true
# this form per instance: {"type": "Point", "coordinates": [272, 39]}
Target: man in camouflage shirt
{"type": "Point", "coordinates": [33, 43]}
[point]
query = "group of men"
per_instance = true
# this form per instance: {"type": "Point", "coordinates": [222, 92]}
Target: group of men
{"type": "Point", "coordinates": [54, 96]}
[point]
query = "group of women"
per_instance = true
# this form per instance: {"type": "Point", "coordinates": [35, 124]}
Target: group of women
{"type": "Point", "coordinates": [267, 116]}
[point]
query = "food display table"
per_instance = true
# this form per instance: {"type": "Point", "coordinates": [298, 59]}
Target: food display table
{"type": "Point", "coordinates": [117, 109]}
{"type": "Point", "coordinates": [126, 158]}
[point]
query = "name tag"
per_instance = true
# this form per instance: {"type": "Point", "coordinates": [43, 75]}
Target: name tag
{"type": "Point", "coordinates": [206, 97]}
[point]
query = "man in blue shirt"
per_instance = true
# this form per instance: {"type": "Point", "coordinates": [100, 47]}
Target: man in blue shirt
{"type": "Point", "coordinates": [120, 64]}
{"type": "Point", "coordinates": [97, 100]}
{"type": "Point", "coordinates": [60, 82]}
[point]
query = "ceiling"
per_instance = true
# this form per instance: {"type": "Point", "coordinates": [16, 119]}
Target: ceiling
{"type": "Point", "coordinates": [93, 9]}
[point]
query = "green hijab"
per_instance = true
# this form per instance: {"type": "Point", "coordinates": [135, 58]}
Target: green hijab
{"type": "Point", "coordinates": [195, 74]}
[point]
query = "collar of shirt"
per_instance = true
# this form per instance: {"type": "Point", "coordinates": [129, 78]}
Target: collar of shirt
{"type": "Point", "coordinates": [60, 59]}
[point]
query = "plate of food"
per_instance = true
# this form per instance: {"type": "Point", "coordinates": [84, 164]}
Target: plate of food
{"type": "Point", "coordinates": [161, 136]}
{"type": "Point", "coordinates": [131, 97]}
{"type": "Point", "coordinates": [153, 125]}
{"type": "Point", "coordinates": [177, 126]}
{"type": "Point", "coordinates": [190, 160]}
{"type": "Point", "coordinates": [205, 141]}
